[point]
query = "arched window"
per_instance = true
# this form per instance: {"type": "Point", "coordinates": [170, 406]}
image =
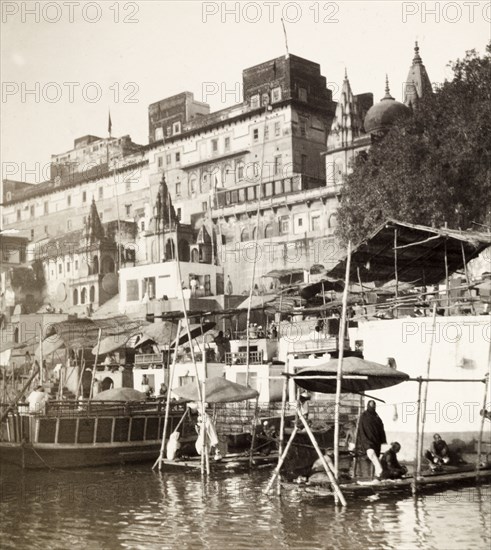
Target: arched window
{"type": "Point", "coordinates": [244, 235]}
{"type": "Point", "coordinates": [205, 183]}
{"type": "Point", "coordinates": [16, 335]}
{"type": "Point", "coordinates": [170, 250]}
{"type": "Point", "coordinates": [192, 184]}
{"type": "Point", "coordinates": [268, 231]}
{"type": "Point", "coordinates": [83, 295]}
{"type": "Point", "coordinates": [92, 294]}
{"type": "Point", "coordinates": [254, 233]}
{"type": "Point", "coordinates": [75, 296]}
{"type": "Point", "coordinates": [95, 264]}
{"type": "Point", "coordinates": [333, 221]}
{"type": "Point", "coordinates": [228, 176]}
{"type": "Point", "coordinates": [107, 265]}
{"type": "Point", "coordinates": [195, 255]}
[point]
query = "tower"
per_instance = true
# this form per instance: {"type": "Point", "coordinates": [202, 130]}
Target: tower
{"type": "Point", "coordinates": [417, 83]}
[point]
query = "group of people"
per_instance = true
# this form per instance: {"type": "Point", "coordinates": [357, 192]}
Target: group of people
{"type": "Point", "coordinates": [371, 436]}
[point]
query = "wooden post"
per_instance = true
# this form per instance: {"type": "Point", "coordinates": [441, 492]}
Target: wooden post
{"type": "Point", "coordinates": [281, 459]}
{"type": "Point", "coordinates": [41, 357]}
{"type": "Point", "coordinates": [326, 462]}
{"type": "Point", "coordinates": [447, 285]}
{"type": "Point", "coordinates": [95, 364]}
{"type": "Point", "coordinates": [360, 410]}
{"type": "Point", "coordinates": [339, 376]}
{"type": "Point", "coordinates": [82, 369]}
{"type": "Point", "coordinates": [281, 435]}
{"type": "Point", "coordinates": [167, 403]}
{"type": "Point", "coordinates": [417, 456]}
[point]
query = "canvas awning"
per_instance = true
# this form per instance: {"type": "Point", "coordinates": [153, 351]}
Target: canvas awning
{"type": "Point", "coordinates": [359, 376]}
{"type": "Point", "coordinates": [120, 394]}
{"type": "Point", "coordinates": [281, 273]}
{"type": "Point", "coordinates": [217, 390]}
{"type": "Point", "coordinates": [421, 253]}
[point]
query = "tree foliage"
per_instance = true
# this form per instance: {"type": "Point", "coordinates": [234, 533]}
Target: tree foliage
{"type": "Point", "coordinates": [431, 168]}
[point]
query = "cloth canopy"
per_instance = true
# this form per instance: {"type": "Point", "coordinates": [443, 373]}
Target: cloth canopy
{"type": "Point", "coordinates": [420, 253]}
{"type": "Point", "coordinates": [120, 394]}
{"type": "Point", "coordinates": [217, 390]}
{"type": "Point", "coordinates": [369, 376]}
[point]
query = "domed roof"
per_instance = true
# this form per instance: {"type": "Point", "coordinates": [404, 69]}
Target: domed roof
{"type": "Point", "coordinates": [382, 115]}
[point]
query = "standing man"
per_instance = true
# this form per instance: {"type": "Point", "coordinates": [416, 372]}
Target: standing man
{"type": "Point", "coordinates": [371, 436]}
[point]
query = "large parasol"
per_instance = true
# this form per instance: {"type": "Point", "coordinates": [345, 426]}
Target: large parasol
{"type": "Point", "coordinates": [217, 390]}
{"type": "Point", "coordinates": [358, 376]}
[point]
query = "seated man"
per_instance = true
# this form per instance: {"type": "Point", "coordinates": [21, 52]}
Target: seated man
{"type": "Point", "coordinates": [390, 465]}
{"type": "Point", "coordinates": [439, 453]}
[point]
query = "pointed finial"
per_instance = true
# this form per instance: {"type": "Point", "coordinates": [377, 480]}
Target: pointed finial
{"type": "Point", "coordinates": [417, 58]}
{"type": "Point", "coordinates": [345, 73]}
{"type": "Point", "coordinates": [387, 89]}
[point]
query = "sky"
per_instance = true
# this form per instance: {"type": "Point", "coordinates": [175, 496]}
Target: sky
{"type": "Point", "coordinates": [65, 64]}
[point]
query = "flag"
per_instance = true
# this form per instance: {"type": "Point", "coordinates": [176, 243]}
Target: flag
{"type": "Point", "coordinates": [109, 124]}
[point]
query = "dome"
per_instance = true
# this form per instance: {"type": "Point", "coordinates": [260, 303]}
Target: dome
{"type": "Point", "coordinates": [382, 116]}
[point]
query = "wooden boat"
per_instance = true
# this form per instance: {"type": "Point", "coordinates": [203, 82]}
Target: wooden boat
{"type": "Point", "coordinates": [74, 435]}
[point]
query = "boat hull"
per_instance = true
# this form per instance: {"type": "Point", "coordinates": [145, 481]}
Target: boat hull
{"type": "Point", "coordinates": [38, 456]}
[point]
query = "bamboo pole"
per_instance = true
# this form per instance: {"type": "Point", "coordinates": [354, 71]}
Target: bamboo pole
{"type": "Point", "coordinates": [360, 410]}
{"type": "Point", "coordinates": [396, 274]}
{"type": "Point", "coordinates": [425, 396]}
{"type": "Point", "coordinates": [21, 393]}
{"type": "Point", "coordinates": [281, 459]}
{"type": "Point", "coordinates": [95, 364]}
{"type": "Point", "coordinates": [326, 461]}
{"type": "Point", "coordinates": [417, 456]}
{"type": "Point", "coordinates": [339, 376]}
{"type": "Point", "coordinates": [254, 427]}
{"type": "Point", "coordinates": [167, 404]}
{"type": "Point", "coordinates": [481, 430]}
{"type": "Point", "coordinates": [473, 309]}
{"type": "Point", "coordinates": [281, 435]}
{"type": "Point", "coordinates": [41, 357]}
{"type": "Point", "coordinates": [447, 284]}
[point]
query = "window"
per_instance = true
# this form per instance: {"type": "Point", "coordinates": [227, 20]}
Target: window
{"type": "Point", "coordinates": [287, 185]}
{"type": "Point", "coordinates": [69, 224]}
{"type": "Point", "coordinates": [302, 94]}
{"type": "Point", "coordinates": [266, 132]}
{"type": "Point", "coordinates": [255, 101]}
{"type": "Point", "coordinates": [18, 215]}
{"type": "Point", "coordinates": [178, 158]}
{"type": "Point", "coordinates": [178, 188]}
{"type": "Point", "coordinates": [69, 200]}
{"type": "Point", "coordinates": [168, 160]}
{"type": "Point", "coordinates": [60, 268]}
{"type": "Point", "coordinates": [68, 267]}
{"type": "Point", "coordinates": [268, 231]}
{"type": "Point", "coordinates": [132, 290]}
{"type": "Point", "coordinates": [244, 235]}
{"type": "Point", "coordinates": [159, 134]}
{"type": "Point", "coordinates": [192, 185]}
{"type": "Point", "coordinates": [75, 297]}
{"type": "Point", "coordinates": [277, 165]}
{"type": "Point", "coordinates": [76, 264]}
{"type": "Point", "coordinates": [83, 295]}
{"type": "Point", "coordinates": [46, 229]}
{"type": "Point", "coordinates": [46, 208]}
{"type": "Point", "coordinates": [226, 144]}
{"type": "Point", "coordinates": [265, 99]}
{"type": "Point", "coordinates": [128, 209]}
{"type": "Point", "coordinates": [101, 192]}
{"type": "Point", "coordinates": [240, 172]}
{"type": "Point", "coordinates": [276, 94]}
{"type": "Point", "coordinates": [284, 225]}
{"type": "Point", "coordinates": [142, 225]}
{"type": "Point", "coordinates": [160, 162]}
{"type": "Point", "coordinates": [92, 294]}
{"type": "Point", "coordinates": [168, 131]}
{"type": "Point", "coordinates": [277, 129]}
{"type": "Point", "coordinates": [32, 210]}
{"type": "Point", "coordinates": [176, 128]}
{"type": "Point", "coordinates": [204, 206]}
{"type": "Point", "coordinates": [255, 134]}
{"type": "Point", "coordinates": [315, 222]}
{"type": "Point", "coordinates": [32, 234]}
{"type": "Point", "coordinates": [303, 127]}
{"type": "Point", "coordinates": [84, 196]}
{"type": "Point", "coordinates": [303, 167]}
{"type": "Point", "coordinates": [214, 146]}
{"type": "Point", "coordinates": [9, 195]}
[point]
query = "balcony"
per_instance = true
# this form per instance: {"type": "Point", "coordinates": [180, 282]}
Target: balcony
{"type": "Point", "coordinates": [240, 357]}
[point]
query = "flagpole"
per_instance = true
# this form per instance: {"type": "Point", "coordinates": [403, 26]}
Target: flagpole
{"type": "Point", "coordinates": [109, 130]}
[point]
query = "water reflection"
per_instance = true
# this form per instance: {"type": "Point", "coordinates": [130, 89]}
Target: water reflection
{"type": "Point", "coordinates": [138, 508]}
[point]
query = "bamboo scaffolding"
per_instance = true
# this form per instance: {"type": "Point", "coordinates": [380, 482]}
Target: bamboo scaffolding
{"type": "Point", "coordinates": [95, 364]}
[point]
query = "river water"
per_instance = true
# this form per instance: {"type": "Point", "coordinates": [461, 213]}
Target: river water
{"type": "Point", "coordinates": [134, 507]}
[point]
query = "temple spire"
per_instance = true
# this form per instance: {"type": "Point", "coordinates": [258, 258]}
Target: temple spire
{"type": "Point", "coordinates": [418, 82]}
{"type": "Point", "coordinates": [387, 89]}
